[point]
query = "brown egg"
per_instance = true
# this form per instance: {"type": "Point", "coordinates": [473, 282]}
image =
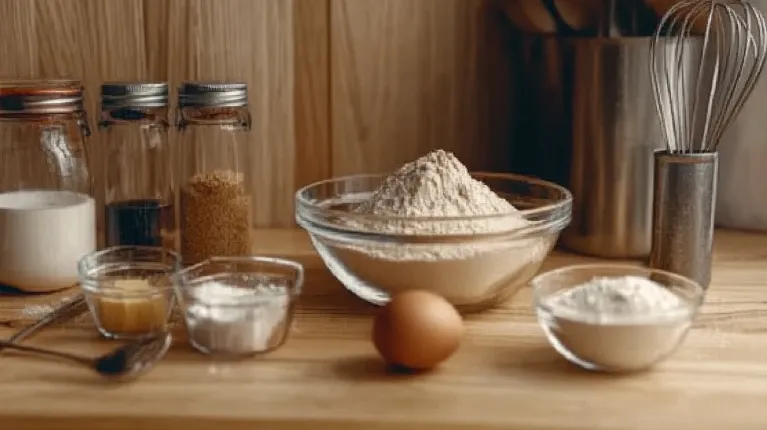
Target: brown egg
{"type": "Point", "coordinates": [417, 330]}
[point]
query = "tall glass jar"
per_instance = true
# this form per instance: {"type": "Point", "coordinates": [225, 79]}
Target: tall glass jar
{"type": "Point", "coordinates": [47, 212]}
{"type": "Point", "coordinates": [216, 180]}
{"type": "Point", "coordinates": [139, 192]}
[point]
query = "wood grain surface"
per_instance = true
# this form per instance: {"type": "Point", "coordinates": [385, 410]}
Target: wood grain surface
{"type": "Point", "coordinates": [337, 86]}
{"type": "Point", "coordinates": [411, 76]}
{"type": "Point", "coordinates": [312, 90]}
{"type": "Point", "coordinates": [505, 376]}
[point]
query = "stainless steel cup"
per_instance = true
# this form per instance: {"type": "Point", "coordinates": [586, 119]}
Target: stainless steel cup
{"type": "Point", "coordinates": [683, 214]}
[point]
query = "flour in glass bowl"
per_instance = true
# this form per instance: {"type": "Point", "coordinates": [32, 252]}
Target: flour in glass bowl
{"type": "Point", "coordinates": [610, 299]}
{"type": "Point", "coordinates": [438, 185]}
{"type": "Point", "coordinates": [617, 323]}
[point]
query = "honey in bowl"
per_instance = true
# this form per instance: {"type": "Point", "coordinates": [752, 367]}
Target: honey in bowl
{"type": "Point", "coordinates": [132, 307]}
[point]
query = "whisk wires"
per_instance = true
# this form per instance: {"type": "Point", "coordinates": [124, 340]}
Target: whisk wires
{"type": "Point", "coordinates": [706, 57]}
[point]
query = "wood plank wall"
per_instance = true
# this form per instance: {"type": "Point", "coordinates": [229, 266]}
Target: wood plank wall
{"type": "Point", "coordinates": [337, 86]}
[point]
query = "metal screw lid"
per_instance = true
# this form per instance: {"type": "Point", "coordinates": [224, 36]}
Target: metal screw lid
{"type": "Point", "coordinates": [134, 94]}
{"type": "Point", "coordinates": [41, 97]}
{"type": "Point", "coordinates": [213, 94]}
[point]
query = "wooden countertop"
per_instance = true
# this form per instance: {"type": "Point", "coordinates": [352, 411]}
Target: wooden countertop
{"type": "Point", "coordinates": [504, 377]}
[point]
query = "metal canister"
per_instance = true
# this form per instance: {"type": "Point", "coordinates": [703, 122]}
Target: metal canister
{"type": "Point", "coordinates": [615, 130]}
{"type": "Point", "coordinates": [593, 128]}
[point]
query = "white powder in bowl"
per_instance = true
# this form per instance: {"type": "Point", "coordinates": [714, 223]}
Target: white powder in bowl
{"type": "Point", "coordinates": [228, 319]}
{"type": "Point", "coordinates": [616, 323]}
{"type": "Point", "coordinates": [438, 185]}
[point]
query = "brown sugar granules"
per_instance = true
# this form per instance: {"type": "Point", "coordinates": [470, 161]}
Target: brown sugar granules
{"type": "Point", "coordinates": [215, 216]}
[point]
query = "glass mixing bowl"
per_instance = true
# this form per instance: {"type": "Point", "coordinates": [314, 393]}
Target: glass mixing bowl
{"type": "Point", "coordinates": [375, 257]}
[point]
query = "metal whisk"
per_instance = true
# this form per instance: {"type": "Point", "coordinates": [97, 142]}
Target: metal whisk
{"type": "Point", "coordinates": [706, 57]}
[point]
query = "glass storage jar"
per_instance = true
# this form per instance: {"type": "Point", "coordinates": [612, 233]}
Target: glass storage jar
{"type": "Point", "coordinates": [47, 212]}
{"type": "Point", "coordinates": [139, 192]}
{"type": "Point", "coordinates": [215, 179]}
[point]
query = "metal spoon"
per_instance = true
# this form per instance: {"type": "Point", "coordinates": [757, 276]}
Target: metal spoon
{"type": "Point", "coordinates": [127, 360]}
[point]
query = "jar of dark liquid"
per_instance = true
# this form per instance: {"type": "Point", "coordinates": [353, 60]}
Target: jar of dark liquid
{"type": "Point", "coordinates": [139, 194]}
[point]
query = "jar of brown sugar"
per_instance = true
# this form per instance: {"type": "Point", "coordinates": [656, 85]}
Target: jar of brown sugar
{"type": "Point", "coordinates": [214, 125]}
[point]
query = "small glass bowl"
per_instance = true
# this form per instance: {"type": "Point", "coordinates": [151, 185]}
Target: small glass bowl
{"type": "Point", "coordinates": [128, 289]}
{"type": "Point", "coordinates": [618, 343]}
{"type": "Point", "coordinates": [239, 306]}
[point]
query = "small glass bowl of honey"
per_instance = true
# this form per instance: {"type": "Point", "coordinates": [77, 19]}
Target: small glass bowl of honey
{"type": "Point", "coordinates": [128, 289]}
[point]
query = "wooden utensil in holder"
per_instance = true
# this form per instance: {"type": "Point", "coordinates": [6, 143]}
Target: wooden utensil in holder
{"type": "Point", "coordinates": [662, 6]}
{"type": "Point", "coordinates": [579, 15]}
{"type": "Point", "coordinates": [530, 16]}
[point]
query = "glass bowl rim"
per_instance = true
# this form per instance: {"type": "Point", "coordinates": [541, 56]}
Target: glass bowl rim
{"type": "Point", "coordinates": [296, 283]}
{"type": "Point", "coordinates": [90, 278]}
{"type": "Point", "coordinates": [693, 303]}
{"type": "Point", "coordinates": [304, 203]}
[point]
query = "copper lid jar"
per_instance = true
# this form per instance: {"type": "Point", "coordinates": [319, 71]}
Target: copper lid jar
{"type": "Point", "coordinates": [47, 213]}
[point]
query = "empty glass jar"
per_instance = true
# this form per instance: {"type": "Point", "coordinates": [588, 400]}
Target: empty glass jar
{"type": "Point", "coordinates": [47, 213]}
{"type": "Point", "coordinates": [139, 193]}
{"type": "Point", "coordinates": [215, 176]}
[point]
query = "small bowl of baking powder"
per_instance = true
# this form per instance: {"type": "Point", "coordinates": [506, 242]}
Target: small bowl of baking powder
{"type": "Point", "coordinates": [615, 318]}
{"type": "Point", "coordinates": [239, 306]}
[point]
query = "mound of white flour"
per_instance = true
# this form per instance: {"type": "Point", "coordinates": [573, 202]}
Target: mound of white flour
{"type": "Point", "coordinates": [437, 185]}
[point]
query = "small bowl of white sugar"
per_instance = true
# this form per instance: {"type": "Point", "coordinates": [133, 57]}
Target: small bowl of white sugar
{"type": "Point", "coordinates": [239, 306]}
{"type": "Point", "coordinates": [615, 318]}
